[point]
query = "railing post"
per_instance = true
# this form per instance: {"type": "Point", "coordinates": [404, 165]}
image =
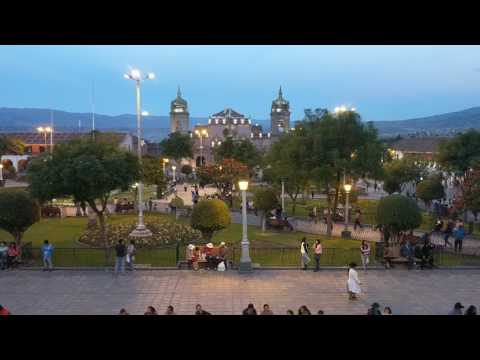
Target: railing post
{"type": "Point", "coordinates": [177, 253]}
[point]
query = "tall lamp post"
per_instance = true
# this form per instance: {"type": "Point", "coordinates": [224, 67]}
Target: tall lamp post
{"type": "Point", "coordinates": [164, 161]}
{"type": "Point", "coordinates": [1, 174]}
{"type": "Point", "coordinates": [283, 195]}
{"type": "Point", "coordinates": [45, 131]}
{"type": "Point", "coordinates": [201, 134]}
{"type": "Point", "coordinates": [135, 75]}
{"type": "Point", "coordinates": [174, 168]}
{"type": "Point", "coordinates": [346, 234]}
{"type": "Point", "coordinates": [245, 261]}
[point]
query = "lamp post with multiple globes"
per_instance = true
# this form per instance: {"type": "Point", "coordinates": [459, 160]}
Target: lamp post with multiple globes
{"type": "Point", "coordinates": [45, 131]}
{"type": "Point", "coordinates": [135, 75]}
{"type": "Point", "coordinates": [245, 261]}
{"type": "Point", "coordinates": [201, 134]}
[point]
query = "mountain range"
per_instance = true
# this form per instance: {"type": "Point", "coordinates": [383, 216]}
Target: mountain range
{"type": "Point", "coordinates": [158, 127]}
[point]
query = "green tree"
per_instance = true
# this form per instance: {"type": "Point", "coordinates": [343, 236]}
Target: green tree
{"type": "Point", "coordinates": [153, 174]}
{"type": "Point", "coordinates": [287, 161]}
{"type": "Point", "coordinates": [11, 146]}
{"type": "Point", "coordinates": [86, 170]}
{"type": "Point", "coordinates": [241, 150]}
{"type": "Point", "coordinates": [177, 146]}
{"type": "Point", "coordinates": [460, 153]}
{"type": "Point", "coordinates": [18, 211]}
{"type": "Point", "coordinates": [187, 169]}
{"type": "Point", "coordinates": [339, 145]}
{"type": "Point", "coordinates": [223, 176]}
{"type": "Point", "coordinates": [209, 216]}
{"type": "Point", "coordinates": [398, 173]}
{"type": "Point", "coordinates": [265, 200]}
{"type": "Point", "coordinates": [398, 213]}
{"type": "Point", "coordinates": [430, 189]}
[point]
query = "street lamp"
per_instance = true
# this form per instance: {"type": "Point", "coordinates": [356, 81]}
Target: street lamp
{"type": "Point", "coordinates": [135, 75]}
{"type": "Point", "coordinates": [164, 161]}
{"type": "Point", "coordinates": [283, 195]}
{"type": "Point", "coordinates": [346, 233]}
{"type": "Point", "coordinates": [245, 261]}
{"type": "Point", "coordinates": [1, 174]}
{"type": "Point", "coordinates": [201, 134]}
{"type": "Point", "coordinates": [45, 131]}
{"type": "Point", "coordinates": [174, 168]}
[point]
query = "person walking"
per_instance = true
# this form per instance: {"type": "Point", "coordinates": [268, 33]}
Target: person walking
{"type": "Point", "coordinates": [131, 251]}
{"type": "Point", "coordinates": [12, 255]}
{"type": "Point", "coordinates": [318, 254]}
{"type": "Point", "coordinates": [357, 222]}
{"type": "Point", "coordinates": [3, 255]}
{"type": "Point", "coordinates": [448, 232]}
{"type": "Point", "coordinates": [353, 283]}
{"type": "Point", "coordinates": [305, 259]}
{"type": "Point", "coordinates": [47, 251]}
{"type": "Point", "coordinates": [120, 252]}
{"type": "Point", "coordinates": [365, 254]}
{"type": "Point", "coordinates": [459, 235]}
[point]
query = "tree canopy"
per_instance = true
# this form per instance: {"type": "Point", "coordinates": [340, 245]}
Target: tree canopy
{"type": "Point", "coordinates": [84, 169]}
{"type": "Point", "coordinates": [265, 200]}
{"type": "Point", "coordinates": [397, 213]}
{"type": "Point", "coordinates": [11, 146]}
{"type": "Point", "coordinates": [18, 211]}
{"type": "Point", "coordinates": [399, 172]}
{"type": "Point", "coordinates": [153, 174]}
{"type": "Point", "coordinates": [177, 146]}
{"type": "Point", "coordinates": [460, 153]}
{"type": "Point", "coordinates": [241, 150]}
{"type": "Point", "coordinates": [430, 189]}
{"type": "Point", "coordinates": [209, 216]}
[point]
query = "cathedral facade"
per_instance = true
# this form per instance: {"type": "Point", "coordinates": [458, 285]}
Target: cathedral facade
{"type": "Point", "coordinates": [228, 123]}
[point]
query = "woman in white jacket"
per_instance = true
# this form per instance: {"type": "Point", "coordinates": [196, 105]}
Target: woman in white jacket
{"type": "Point", "coordinates": [353, 284]}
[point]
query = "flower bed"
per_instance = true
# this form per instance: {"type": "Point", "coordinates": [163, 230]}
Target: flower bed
{"type": "Point", "coordinates": [165, 232]}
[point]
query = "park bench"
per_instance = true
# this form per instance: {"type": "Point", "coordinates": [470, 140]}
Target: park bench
{"type": "Point", "coordinates": [395, 258]}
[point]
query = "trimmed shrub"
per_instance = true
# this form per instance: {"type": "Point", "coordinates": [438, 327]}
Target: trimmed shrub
{"type": "Point", "coordinates": [209, 216]}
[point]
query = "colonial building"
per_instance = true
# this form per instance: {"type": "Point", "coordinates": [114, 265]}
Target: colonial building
{"type": "Point", "coordinates": [179, 116]}
{"type": "Point", "coordinates": [280, 115]}
{"type": "Point", "coordinates": [36, 143]}
{"type": "Point", "coordinates": [416, 147]}
{"type": "Point", "coordinates": [226, 123]}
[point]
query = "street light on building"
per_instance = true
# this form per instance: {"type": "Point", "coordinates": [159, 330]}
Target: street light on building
{"type": "Point", "coordinates": [245, 261]}
{"type": "Point", "coordinates": [135, 75]}
{"type": "Point", "coordinates": [346, 233]}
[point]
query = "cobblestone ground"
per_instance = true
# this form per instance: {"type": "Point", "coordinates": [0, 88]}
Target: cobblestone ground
{"type": "Point", "coordinates": [100, 292]}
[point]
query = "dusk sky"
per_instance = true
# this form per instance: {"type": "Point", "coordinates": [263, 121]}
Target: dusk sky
{"type": "Point", "coordinates": [382, 82]}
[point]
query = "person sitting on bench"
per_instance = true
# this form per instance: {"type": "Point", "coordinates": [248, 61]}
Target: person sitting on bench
{"type": "Point", "coordinates": [209, 256]}
{"type": "Point", "coordinates": [406, 251]}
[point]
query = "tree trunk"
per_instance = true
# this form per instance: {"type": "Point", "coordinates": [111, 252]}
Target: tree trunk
{"type": "Point", "coordinates": [18, 241]}
{"type": "Point", "coordinates": [264, 227]}
{"type": "Point", "coordinates": [329, 213]}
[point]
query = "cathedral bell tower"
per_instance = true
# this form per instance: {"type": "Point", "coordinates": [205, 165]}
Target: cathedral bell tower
{"type": "Point", "coordinates": [280, 115]}
{"type": "Point", "coordinates": [179, 116]}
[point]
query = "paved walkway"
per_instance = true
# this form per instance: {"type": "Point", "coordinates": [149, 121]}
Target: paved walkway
{"type": "Point", "coordinates": [100, 292]}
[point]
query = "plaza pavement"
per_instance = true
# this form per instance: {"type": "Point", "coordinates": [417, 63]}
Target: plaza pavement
{"type": "Point", "coordinates": [100, 292]}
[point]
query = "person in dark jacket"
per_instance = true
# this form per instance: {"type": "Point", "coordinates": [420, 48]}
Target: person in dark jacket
{"type": "Point", "coordinates": [448, 232]}
{"type": "Point", "coordinates": [374, 309]}
{"type": "Point", "coordinates": [121, 253]}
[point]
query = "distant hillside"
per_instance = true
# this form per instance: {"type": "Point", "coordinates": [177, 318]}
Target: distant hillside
{"type": "Point", "coordinates": [158, 127]}
{"type": "Point", "coordinates": [440, 124]}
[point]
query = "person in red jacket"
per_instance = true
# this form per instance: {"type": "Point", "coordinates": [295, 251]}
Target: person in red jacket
{"type": "Point", "coordinates": [4, 311]}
